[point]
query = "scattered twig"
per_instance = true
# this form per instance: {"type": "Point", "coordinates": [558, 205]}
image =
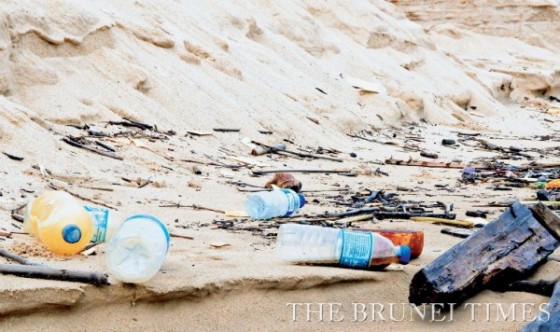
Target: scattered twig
{"type": "Point", "coordinates": [193, 206]}
{"type": "Point", "coordinates": [303, 155]}
{"type": "Point", "coordinates": [181, 236]}
{"type": "Point", "coordinates": [327, 171]}
{"type": "Point", "coordinates": [129, 123]}
{"type": "Point", "coordinates": [13, 157]}
{"type": "Point", "coordinates": [44, 272]}
{"type": "Point", "coordinates": [71, 141]}
{"type": "Point", "coordinates": [226, 130]}
{"type": "Point", "coordinates": [16, 258]}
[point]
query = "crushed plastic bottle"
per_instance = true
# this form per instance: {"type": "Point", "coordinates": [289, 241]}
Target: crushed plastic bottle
{"type": "Point", "coordinates": [137, 251]}
{"type": "Point", "coordinates": [59, 221]}
{"type": "Point", "coordinates": [275, 203]}
{"type": "Point", "coordinates": [320, 245]}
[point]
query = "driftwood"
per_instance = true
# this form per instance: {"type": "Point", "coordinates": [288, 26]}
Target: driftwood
{"type": "Point", "coordinates": [12, 156]}
{"type": "Point", "coordinates": [30, 269]}
{"type": "Point", "coordinates": [303, 155]}
{"type": "Point", "coordinates": [549, 318]}
{"type": "Point", "coordinates": [506, 250]}
{"type": "Point", "coordinates": [72, 141]}
{"type": "Point", "coordinates": [44, 272]}
{"type": "Point", "coordinates": [432, 164]}
{"type": "Point", "coordinates": [327, 171]}
{"type": "Point", "coordinates": [130, 123]}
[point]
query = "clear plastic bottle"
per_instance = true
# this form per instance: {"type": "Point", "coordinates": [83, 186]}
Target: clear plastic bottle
{"type": "Point", "coordinates": [105, 223]}
{"type": "Point", "coordinates": [137, 251]}
{"type": "Point", "coordinates": [320, 245]}
{"type": "Point", "coordinates": [60, 222]}
{"type": "Point", "coordinates": [274, 203]}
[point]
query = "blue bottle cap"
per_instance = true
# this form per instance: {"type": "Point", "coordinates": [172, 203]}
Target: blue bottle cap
{"type": "Point", "coordinates": [71, 233]}
{"type": "Point", "coordinates": [405, 255]}
{"type": "Point", "coordinates": [301, 200]}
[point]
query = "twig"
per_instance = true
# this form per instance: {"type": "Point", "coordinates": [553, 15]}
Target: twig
{"type": "Point", "coordinates": [16, 258]}
{"type": "Point", "coordinates": [181, 236]}
{"type": "Point", "coordinates": [303, 155]}
{"type": "Point", "coordinates": [433, 164]}
{"type": "Point", "coordinates": [13, 157]}
{"type": "Point", "coordinates": [77, 144]}
{"type": "Point", "coordinates": [271, 171]}
{"type": "Point", "coordinates": [226, 130]}
{"type": "Point", "coordinates": [129, 123]}
{"type": "Point", "coordinates": [193, 206]}
{"type": "Point", "coordinates": [44, 272]}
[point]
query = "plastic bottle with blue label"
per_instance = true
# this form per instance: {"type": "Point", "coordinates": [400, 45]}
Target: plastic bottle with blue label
{"type": "Point", "coordinates": [137, 251]}
{"type": "Point", "coordinates": [275, 203]}
{"type": "Point", "coordinates": [105, 223]}
{"type": "Point", "coordinates": [319, 245]}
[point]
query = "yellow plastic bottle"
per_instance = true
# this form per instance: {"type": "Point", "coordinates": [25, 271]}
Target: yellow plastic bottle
{"type": "Point", "coordinates": [60, 221]}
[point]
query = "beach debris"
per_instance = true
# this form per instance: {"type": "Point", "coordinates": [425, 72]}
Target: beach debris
{"type": "Point", "coordinates": [428, 154]}
{"type": "Point", "coordinates": [325, 171]}
{"type": "Point", "coordinates": [30, 269]}
{"type": "Point", "coordinates": [219, 245]}
{"type": "Point", "coordinates": [82, 143]}
{"type": "Point", "coordinates": [274, 203]}
{"type": "Point", "coordinates": [448, 141]}
{"type": "Point", "coordinates": [12, 156]}
{"type": "Point", "coordinates": [60, 222]}
{"type": "Point", "coordinates": [548, 318]}
{"type": "Point", "coordinates": [442, 221]}
{"type": "Point", "coordinates": [554, 184]}
{"type": "Point", "coordinates": [432, 164]}
{"type": "Point", "coordinates": [477, 213]}
{"type": "Point", "coordinates": [302, 155]}
{"type": "Point", "coordinates": [458, 232]}
{"type": "Point", "coordinates": [412, 239]}
{"type": "Point", "coordinates": [151, 245]}
{"type": "Point", "coordinates": [226, 130]}
{"type": "Point", "coordinates": [504, 251]}
{"type": "Point", "coordinates": [129, 123]}
{"type": "Point", "coordinates": [366, 86]}
{"type": "Point", "coordinates": [362, 250]}
{"type": "Point", "coordinates": [260, 150]}
{"type": "Point", "coordinates": [284, 180]}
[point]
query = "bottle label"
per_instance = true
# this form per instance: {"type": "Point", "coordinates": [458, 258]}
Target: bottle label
{"type": "Point", "coordinates": [293, 202]}
{"type": "Point", "coordinates": [100, 218]}
{"type": "Point", "coordinates": [356, 249]}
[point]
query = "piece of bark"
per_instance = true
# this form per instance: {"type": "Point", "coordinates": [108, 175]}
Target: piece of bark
{"type": "Point", "coordinates": [260, 150]}
{"type": "Point", "coordinates": [549, 318]}
{"type": "Point", "coordinates": [507, 249]}
{"type": "Point", "coordinates": [427, 154]}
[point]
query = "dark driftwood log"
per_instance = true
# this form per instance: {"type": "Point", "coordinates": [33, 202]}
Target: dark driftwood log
{"type": "Point", "coordinates": [504, 251]}
{"type": "Point", "coordinates": [46, 272]}
{"type": "Point", "coordinates": [548, 319]}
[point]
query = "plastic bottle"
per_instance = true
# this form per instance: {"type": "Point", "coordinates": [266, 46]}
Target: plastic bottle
{"type": "Point", "coordinates": [320, 245]}
{"type": "Point", "coordinates": [275, 203]}
{"type": "Point", "coordinates": [138, 249]}
{"type": "Point", "coordinates": [105, 223]}
{"type": "Point", "coordinates": [60, 222]}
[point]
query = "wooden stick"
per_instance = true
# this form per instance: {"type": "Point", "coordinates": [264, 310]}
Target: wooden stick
{"type": "Point", "coordinates": [227, 130]}
{"type": "Point", "coordinates": [82, 146]}
{"type": "Point", "coordinates": [44, 272]}
{"type": "Point", "coordinates": [458, 223]}
{"type": "Point", "coordinates": [16, 258]}
{"type": "Point", "coordinates": [271, 171]}
{"type": "Point", "coordinates": [303, 155]}
{"type": "Point", "coordinates": [181, 236]}
{"type": "Point", "coordinates": [433, 164]}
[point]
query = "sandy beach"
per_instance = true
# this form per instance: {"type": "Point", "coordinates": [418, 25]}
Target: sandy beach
{"type": "Point", "coordinates": [362, 82]}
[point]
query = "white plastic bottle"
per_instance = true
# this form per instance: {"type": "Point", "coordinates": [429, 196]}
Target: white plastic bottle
{"type": "Point", "coordinates": [274, 203]}
{"type": "Point", "coordinates": [319, 245]}
{"type": "Point", "coordinates": [105, 223]}
{"type": "Point", "coordinates": [137, 251]}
